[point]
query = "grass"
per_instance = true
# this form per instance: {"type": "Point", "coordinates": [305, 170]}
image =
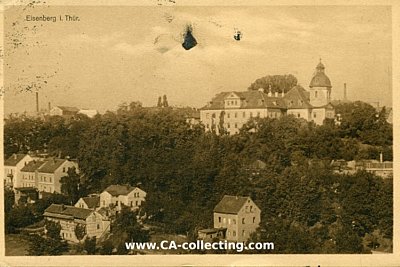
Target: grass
{"type": "Point", "coordinates": [16, 245]}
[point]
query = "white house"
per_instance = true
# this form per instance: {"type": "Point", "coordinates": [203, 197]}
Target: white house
{"type": "Point", "coordinates": [12, 169]}
{"type": "Point", "coordinates": [118, 195]}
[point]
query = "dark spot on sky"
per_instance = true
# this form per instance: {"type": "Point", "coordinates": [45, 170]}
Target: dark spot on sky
{"type": "Point", "coordinates": [188, 39]}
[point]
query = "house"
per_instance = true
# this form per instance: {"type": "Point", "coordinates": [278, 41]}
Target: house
{"type": "Point", "coordinates": [231, 110]}
{"type": "Point", "coordinates": [12, 168]}
{"type": "Point", "coordinates": [50, 173]}
{"type": "Point", "coordinates": [70, 217]}
{"type": "Point", "coordinates": [239, 215]}
{"type": "Point", "coordinates": [118, 195]}
{"type": "Point", "coordinates": [88, 112]}
{"type": "Point", "coordinates": [28, 176]}
{"type": "Point", "coordinates": [91, 202]}
{"type": "Point", "coordinates": [211, 234]}
{"type": "Point", "coordinates": [64, 111]}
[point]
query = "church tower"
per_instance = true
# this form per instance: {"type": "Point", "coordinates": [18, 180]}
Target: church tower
{"type": "Point", "coordinates": [320, 87]}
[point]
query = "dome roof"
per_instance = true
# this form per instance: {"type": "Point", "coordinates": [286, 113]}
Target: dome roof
{"type": "Point", "coordinates": [320, 80]}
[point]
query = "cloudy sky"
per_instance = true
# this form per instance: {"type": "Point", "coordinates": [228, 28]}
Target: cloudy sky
{"type": "Point", "coordinates": [123, 54]}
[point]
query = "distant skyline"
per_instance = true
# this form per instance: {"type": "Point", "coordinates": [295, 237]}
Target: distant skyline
{"type": "Point", "coordinates": [124, 54]}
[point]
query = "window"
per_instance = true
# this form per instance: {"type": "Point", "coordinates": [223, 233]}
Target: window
{"type": "Point", "coordinates": [104, 203]}
{"type": "Point", "coordinates": [236, 125]}
{"type": "Point", "coordinates": [50, 179]}
{"type": "Point", "coordinates": [254, 219]}
{"type": "Point", "coordinates": [207, 126]}
{"type": "Point", "coordinates": [63, 169]}
{"type": "Point", "coordinates": [98, 226]}
{"type": "Point", "coordinates": [314, 114]}
{"type": "Point", "coordinates": [244, 114]}
{"type": "Point", "coordinates": [298, 115]}
{"type": "Point", "coordinates": [131, 203]}
{"type": "Point", "coordinates": [243, 220]}
{"type": "Point", "coordinates": [116, 203]}
{"type": "Point", "coordinates": [229, 125]}
{"type": "Point", "coordinates": [219, 219]}
{"type": "Point", "coordinates": [235, 114]}
{"type": "Point", "coordinates": [228, 115]}
{"type": "Point", "coordinates": [251, 208]}
{"type": "Point", "coordinates": [234, 221]}
{"type": "Point", "coordinates": [235, 102]}
{"type": "Point", "coordinates": [234, 233]}
{"type": "Point", "coordinates": [316, 94]}
{"type": "Point", "coordinates": [137, 203]}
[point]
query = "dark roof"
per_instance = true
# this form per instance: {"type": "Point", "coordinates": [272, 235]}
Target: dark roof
{"type": "Point", "coordinates": [320, 80]}
{"type": "Point", "coordinates": [116, 190]}
{"type": "Point", "coordinates": [26, 189]}
{"type": "Point", "coordinates": [69, 109]}
{"type": "Point", "coordinates": [51, 165]}
{"type": "Point", "coordinates": [92, 202]}
{"type": "Point", "coordinates": [32, 166]}
{"type": "Point", "coordinates": [14, 159]}
{"type": "Point", "coordinates": [297, 97]}
{"type": "Point", "coordinates": [249, 99]}
{"type": "Point", "coordinates": [67, 211]}
{"type": "Point", "coordinates": [230, 204]}
{"type": "Point", "coordinates": [211, 230]}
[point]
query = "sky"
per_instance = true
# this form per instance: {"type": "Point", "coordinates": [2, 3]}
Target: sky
{"type": "Point", "coordinates": [123, 54]}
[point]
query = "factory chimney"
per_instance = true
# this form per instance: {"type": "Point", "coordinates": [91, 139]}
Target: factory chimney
{"type": "Point", "coordinates": [344, 92]}
{"type": "Point", "coordinates": [37, 101]}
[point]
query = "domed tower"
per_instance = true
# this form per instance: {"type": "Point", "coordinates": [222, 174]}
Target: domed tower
{"type": "Point", "coordinates": [320, 87]}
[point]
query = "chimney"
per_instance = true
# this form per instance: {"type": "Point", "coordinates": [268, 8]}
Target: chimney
{"type": "Point", "coordinates": [49, 106]}
{"type": "Point", "coordinates": [344, 92]}
{"type": "Point", "coordinates": [37, 101]}
{"type": "Point", "coordinates": [381, 157]}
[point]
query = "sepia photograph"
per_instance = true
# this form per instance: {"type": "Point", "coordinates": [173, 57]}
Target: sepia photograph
{"type": "Point", "coordinates": [197, 130]}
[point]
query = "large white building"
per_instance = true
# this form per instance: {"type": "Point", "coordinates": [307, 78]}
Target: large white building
{"type": "Point", "coordinates": [233, 109]}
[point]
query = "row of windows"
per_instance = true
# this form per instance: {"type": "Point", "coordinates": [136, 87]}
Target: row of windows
{"type": "Point", "coordinates": [45, 189]}
{"type": "Point", "coordinates": [223, 220]}
{"type": "Point", "coordinates": [244, 114]}
{"type": "Point", "coordinates": [234, 233]}
{"type": "Point", "coordinates": [137, 203]}
{"type": "Point", "coordinates": [231, 102]}
{"type": "Point", "coordinates": [28, 185]}
{"type": "Point", "coordinates": [44, 179]}
{"type": "Point", "coordinates": [29, 177]}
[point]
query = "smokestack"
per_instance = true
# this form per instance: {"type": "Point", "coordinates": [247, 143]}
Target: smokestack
{"type": "Point", "coordinates": [344, 92]}
{"type": "Point", "coordinates": [49, 106]}
{"type": "Point", "coordinates": [37, 101]}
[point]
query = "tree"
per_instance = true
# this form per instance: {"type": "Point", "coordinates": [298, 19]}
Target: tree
{"type": "Point", "coordinates": [80, 231]}
{"type": "Point", "coordinates": [71, 185]}
{"type": "Point", "coordinates": [159, 103]}
{"type": "Point", "coordinates": [53, 229]}
{"type": "Point", "coordinates": [126, 224]}
{"type": "Point", "coordinates": [107, 248]}
{"type": "Point", "coordinates": [277, 83]}
{"type": "Point", "coordinates": [165, 101]}
{"type": "Point", "coordinates": [90, 245]}
{"type": "Point", "coordinates": [41, 246]}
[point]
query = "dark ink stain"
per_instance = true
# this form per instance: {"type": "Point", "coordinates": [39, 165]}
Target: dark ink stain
{"type": "Point", "coordinates": [238, 35]}
{"type": "Point", "coordinates": [188, 39]}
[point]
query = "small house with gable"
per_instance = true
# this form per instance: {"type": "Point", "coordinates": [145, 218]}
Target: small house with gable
{"type": "Point", "coordinates": [239, 215]}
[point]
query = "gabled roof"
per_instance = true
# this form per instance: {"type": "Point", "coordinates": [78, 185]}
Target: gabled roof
{"type": "Point", "coordinates": [69, 109]}
{"type": "Point", "coordinates": [297, 97]}
{"type": "Point", "coordinates": [67, 212]}
{"type": "Point", "coordinates": [92, 202]}
{"type": "Point", "coordinates": [14, 159]}
{"type": "Point", "coordinates": [249, 100]}
{"type": "Point", "coordinates": [116, 190]}
{"type": "Point", "coordinates": [230, 204]}
{"type": "Point", "coordinates": [51, 165]}
{"type": "Point", "coordinates": [32, 166]}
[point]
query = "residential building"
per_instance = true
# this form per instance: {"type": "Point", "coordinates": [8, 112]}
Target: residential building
{"type": "Point", "coordinates": [117, 195]}
{"type": "Point", "coordinates": [70, 217]}
{"type": "Point", "coordinates": [64, 111]}
{"type": "Point", "coordinates": [91, 202]}
{"type": "Point", "coordinates": [88, 112]}
{"type": "Point", "coordinates": [239, 215]}
{"type": "Point", "coordinates": [212, 234]}
{"type": "Point", "coordinates": [12, 168]}
{"type": "Point", "coordinates": [231, 110]}
{"type": "Point", "coordinates": [50, 173]}
{"type": "Point", "coordinates": [28, 176]}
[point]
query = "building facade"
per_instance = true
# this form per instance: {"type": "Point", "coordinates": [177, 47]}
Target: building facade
{"type": "Point", "coordinates": [12, 169]}
{"type": "Point", "coordinates": [239, 215]}
{"type": "Point", "coordinates": [231, 110]}
{"type": "Point", "coordinates": [118, 195]}
{"type": "Point", "coordinates": [69, 217]}
{"type": "Point", "coordinates": [50, 173]}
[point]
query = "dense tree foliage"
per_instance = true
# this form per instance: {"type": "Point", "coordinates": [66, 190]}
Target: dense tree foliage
{"type": "Point", "coordinates": [186, 171]}
{"type": "Point", "coordinates": [278, 83]}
